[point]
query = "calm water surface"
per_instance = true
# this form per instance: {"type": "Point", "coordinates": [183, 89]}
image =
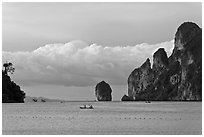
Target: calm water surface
{"type": "Point", "coordinates": [106, 118]}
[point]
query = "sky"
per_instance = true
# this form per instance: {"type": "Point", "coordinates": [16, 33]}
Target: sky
{"type": "Point", "coordinates": [62, 50]}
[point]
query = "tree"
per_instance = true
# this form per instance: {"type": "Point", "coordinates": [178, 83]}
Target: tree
{"type": "Point", "coordinates": [8, 67]}
{"type": "Point", "coordinates": [11, 92]}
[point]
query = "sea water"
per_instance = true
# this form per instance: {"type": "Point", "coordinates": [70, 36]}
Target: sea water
{"type": "Point", "coordinates": [119, 118]}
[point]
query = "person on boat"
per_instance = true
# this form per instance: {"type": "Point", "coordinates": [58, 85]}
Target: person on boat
{"type": "Point", "coordinates": [91, 106]}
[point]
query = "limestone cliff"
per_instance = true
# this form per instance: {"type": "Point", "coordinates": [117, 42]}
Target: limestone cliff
{"type": "Point", "coordinates": [140, 79]}
{"type": "Point", "coordinates": [160, 60]}
{"type": "Point", "coordinates": [188, 52]}
{"type": "Point", "coordinates": [126, 98]}
{"type": "Point", "coordinates": [103, 91]}
{"type": "Point", "coordinates": [178, 77]}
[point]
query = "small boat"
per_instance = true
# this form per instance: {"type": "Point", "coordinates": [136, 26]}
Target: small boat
{"type": "Point", "coordinates": [86, 107]}
{"type": "Point", "coordinates": [148, 101]}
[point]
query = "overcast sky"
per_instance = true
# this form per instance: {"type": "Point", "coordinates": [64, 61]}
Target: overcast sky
{"type": "Point", "coordinates": [62, 50]}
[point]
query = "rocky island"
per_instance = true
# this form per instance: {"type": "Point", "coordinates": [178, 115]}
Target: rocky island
{"type": "Point", "coordinates": [177, 77]}
{"type": "Point", "coordinates": [103, 91]}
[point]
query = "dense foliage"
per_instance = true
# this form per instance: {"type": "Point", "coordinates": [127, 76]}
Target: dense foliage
{"type": "Point", "coordinates": [11, 92]}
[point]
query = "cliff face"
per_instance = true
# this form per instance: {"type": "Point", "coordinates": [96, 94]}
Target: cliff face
{"type": "Point", "coordinates": [103, 91]}
{"type": "Point", "coordinates": [160, 61]}
{"type": "Point", "coordinates": [188, 52]}
{"type": "Point", "coordinates": [140, 79]}
{"type": "Point", "coordinates": [11, 92]}
{"type": "Point", "coordinates": [178, 77]}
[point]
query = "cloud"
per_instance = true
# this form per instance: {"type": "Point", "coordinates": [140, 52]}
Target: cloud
{"type": "Point", "coordinates": [77, 63]}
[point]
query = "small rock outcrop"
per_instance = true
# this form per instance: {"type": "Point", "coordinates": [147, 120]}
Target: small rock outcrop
{"type": "Point", "coordinates": [126, 98]}
{"type": "Point", "coordinates": [103, 91]}
{"type": "Point", "coordinates": [178, 77]}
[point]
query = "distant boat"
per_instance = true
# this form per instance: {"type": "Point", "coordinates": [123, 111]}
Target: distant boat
{"type": "Point", "coordinates": [86, 107]}
{"type": "Point", "coordinates": [148, 101]}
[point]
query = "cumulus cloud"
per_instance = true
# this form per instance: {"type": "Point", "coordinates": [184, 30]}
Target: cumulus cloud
{"type": "Point", "coordinates": [77, 63]}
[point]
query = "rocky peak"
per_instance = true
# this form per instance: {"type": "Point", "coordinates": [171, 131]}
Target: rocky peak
{"type": "Point", "coordinates": [160, 60]}
{"type": "Point", "coordinates": [103, 91]}
{"type": "Point", "coordinates": [188, 51]}
{"type": "Point", "coordinates": [139, 80]}
{"type": "Point", "coordinates": [185, 33]}
{"type": "Point", "coordinates": [146, 64]}
{"type": "Point", "coordinates": [178, 77]}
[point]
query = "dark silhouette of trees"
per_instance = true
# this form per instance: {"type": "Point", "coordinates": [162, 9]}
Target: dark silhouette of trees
{"type": "Point", "coordinates": [8, 67]}
{"type": "Point", "coordinates": [11, 92]}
